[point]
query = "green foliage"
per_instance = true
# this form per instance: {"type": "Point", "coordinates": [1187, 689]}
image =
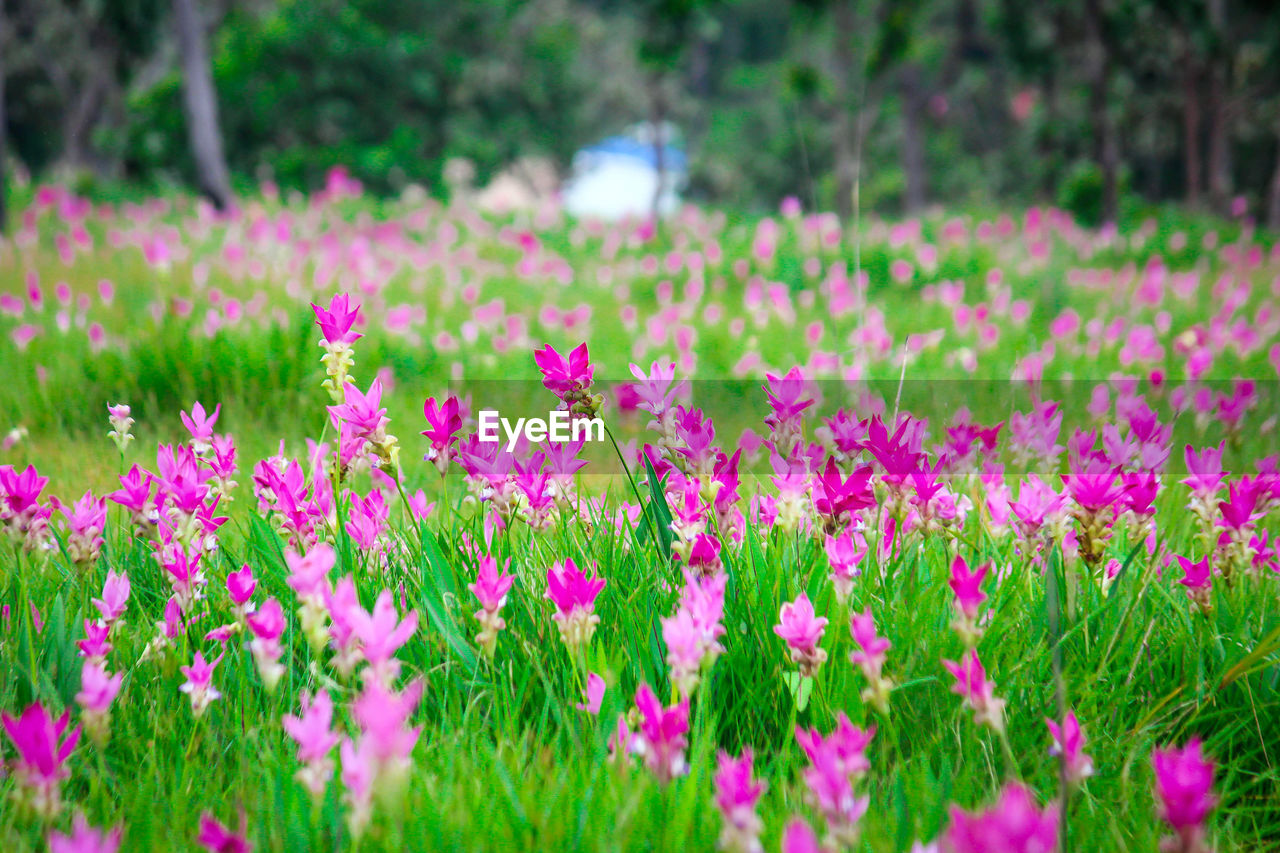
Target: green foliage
{"type": "Point", "coordinates": [388, 90]}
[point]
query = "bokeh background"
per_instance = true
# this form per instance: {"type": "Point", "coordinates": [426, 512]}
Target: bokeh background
{"type": "Point", "coordinates": [1089, 104]}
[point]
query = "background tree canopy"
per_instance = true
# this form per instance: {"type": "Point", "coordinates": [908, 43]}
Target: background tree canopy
{"type": "Point", "coordinates": [954, 101]}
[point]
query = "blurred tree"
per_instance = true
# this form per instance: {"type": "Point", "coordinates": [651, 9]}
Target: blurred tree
{"type": "Point", "coordinates": [201, 105]}
{"type": "Point", "coordinates": [4, 128]}
{"type": "Point", "coordinates": [70, 65]}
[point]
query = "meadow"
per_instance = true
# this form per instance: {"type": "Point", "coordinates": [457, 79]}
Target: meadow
{"type": "Point", "coordinates": [944, 534]}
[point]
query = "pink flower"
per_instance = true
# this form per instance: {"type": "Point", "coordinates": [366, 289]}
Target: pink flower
{"type": "Point", "coordinates": [802, 631]}
{"type": "Point", "coordinates": [217, 838]}
{"type": "Point", "coordinates": [1068, 742]}
{"type": "Point", "coordinates": [199, 683]}
{"type": "Point", "coordinates": [1198, 580]}
{"type": "Point", "coordinates": [335, 323]}
{"type": "Point", "coordinates": [845, 553]}
{"type": "Point", "coordinates": [381, 634]}
{"type": "Point", "coordinates": [361, 414]}
{"type": "Point", "coordinates": [574, 595]}
{"type": "Point", "coordinates": [799, 837]}
{"type": "Point", "coordinates": [312, 732]}
{"type": "Point", "coordinates": [593, 694]}
{"type": "Point", "coordinates": [85, 839]}
{"type": "Point", "coordinates": [836, 763]}
{"type": "Point", "coordinates": [241, 585]}
{"type": "Point", "coordinates": [967, 586]}
{"type": "Point", "coordinates": [491, 587]}
{"type": "Point", "coordinates": [86, 520]}
{"type": "Point", "coordinates": [443, 425]}
{"type": "Point", "coordinates": [1184, 791]}
{"type": "Point", "coordinates": [309, 573]}
{"type": "Point", "coordinates": [42, 754]}
{"type": "Point", "coordinates": [115, 597]}
{"type": "Point", "coordinates": [267, 625]}
{"type": "Point", "coordinates": [978, 693]}
{"type": "Point", "coordinates": [94, 646]}
{"type": "Point", "coordinates": [737, 792]}
{"type": "Point", "coordinates": [1013, 825]}
{"type": "Point", "coordinates": [870, 659]}
{"type": "Point", "coordinates": [200, 426]}
{"type": "Point", "coordinates": [98, 689]}
{"type": "Point", "coordinates": [661, 739]}
{"type": "Point", "coordinates": [567, 378]}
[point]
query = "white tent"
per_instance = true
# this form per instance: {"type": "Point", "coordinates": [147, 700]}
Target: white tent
{"type": "Point", "coordinates": [617, 177]}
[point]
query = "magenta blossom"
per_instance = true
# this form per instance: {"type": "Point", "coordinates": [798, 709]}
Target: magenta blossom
{"type": "Point", "coordinates": [845, 553]}
{"type": "Point", "coordinates": [85, 839]}
{"type": "Point", "coordinates": [382, 632]}
{"type": "Point", "coordinates": [1015, 824]}
{"type": "Point", "coordinates": [799, 837]}
{"type": "Point", "coordinates": [1198, 580]}
{"type": "Point", "coordinates": [978, 692]}
{"type": "Point", "coordinates": [42, 754]}
{"type": "Point", "coordinates": [335, 323]}
{"type": "Point", "coordinates": [199, 683]}
{"type": "Point", "coordinates": [1184, 793]}
{"type": "Point", "coordinates": [200, 425]}
{"type": "Point", "coordinates": [1068, 742]}
{"type": "Point", "coordinates": [567, 378]}
{"type": "Point", "coordinates": [870, 658]}
{"type": "Point", "coordinates": [316, 740]}
{"type": "Point", "coordinates": [967, 586]}
{"type": "Point", "coordinates": [98, 690]}
{"type": "Point", "coordinates": [217, 838]}
{"type": "Point", "coordinates": [574, 595]}
{"type": "Point", "coordinates": [802, 630]}
{"type": "Point", "coordinates": [592, 694]}
{"type": "Point", "coordinates": [491, 587]}
{"type": "Point", "coordinates": [737, 793]}
{"type": "Point", "coordinates": [241, 585]}
{"type": "Point", "coordinates": [661, 739]}
{"type": "Point", "coordinates": [115, 597]}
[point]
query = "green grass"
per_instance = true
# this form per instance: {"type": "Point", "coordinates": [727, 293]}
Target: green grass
{"type": "Point", "coordinates": [505, 761]}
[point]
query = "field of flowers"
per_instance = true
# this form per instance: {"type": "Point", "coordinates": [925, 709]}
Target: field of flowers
{"type": "Point", "coordinates": [949, 535]}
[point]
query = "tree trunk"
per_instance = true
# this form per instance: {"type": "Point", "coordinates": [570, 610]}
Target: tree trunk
{"type": "Point", "coordinates": [1219, 115]}
{"type": "Point", "coordinates": [1106, 146]}
{"type": "Point", "coordinates": [201, 104]}
{"type": "Point", "coordinates": [913, 165]}
{"type": "Point", "coordinates": [1273, 197]}
{"type": "Point", "coordinates": [846, 157]}
{"type": "Point", "coordinates": [1219, 140]}
{"type": "Point", "coordinates": [1191, 127]}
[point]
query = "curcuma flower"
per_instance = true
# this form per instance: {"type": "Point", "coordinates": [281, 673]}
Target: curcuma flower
{"type": "Point", "coordinates": [967, 586]}
{"type": "Point", "coordinates": [199, 683]}
{"type": "Point", "coordinates": [569, 378]}
{"type": "Point", "coordinates": [845, 553]}
{"type": "Point", "coordinates": [802, 631]}
{"type": "Point", "coordinates": [574, 595]}
{"type": "Point", "coordinates": [85, 839]}
{"type": "Point", "coordinates": [661, 739]}
{"type": "Point", "coordinates": [837, 762]}
{"type": "Point", "coordinates": [1015, 824]}
{"type": "Point", "coordinates": [118, 415]}
{"type": "Point", "coordinates": [870, 658]}
{"type": "Point", "coordinates": [978, 692]}
{"type": "Point", "coordinates": [42, 754]}
{"type": "Point", "coordinates": [335, 324]}
{"type": "Point", "coordinates": [316, 740]}
{"type": "Point", "coordinates": [1198, 580]}
{"type": "Point", "coordinates": [1184, 794]}
{"type": "Point", "coordinates": [267, 626]}
{"type": "Point", "coordinates": [86, 520]}
{"type": "Point", "coordinates": [98, 689]}
{"type": "Point", "coordinates": [115, 597]}
{"type": "Point", "coordinates": [1068, 742]}
{"type": "Point", "coordinates": [737, 792]}
{"type": "Point", "coordinates": [491, 587]}
{"type": "Point", "coordinates": [217, 838]}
